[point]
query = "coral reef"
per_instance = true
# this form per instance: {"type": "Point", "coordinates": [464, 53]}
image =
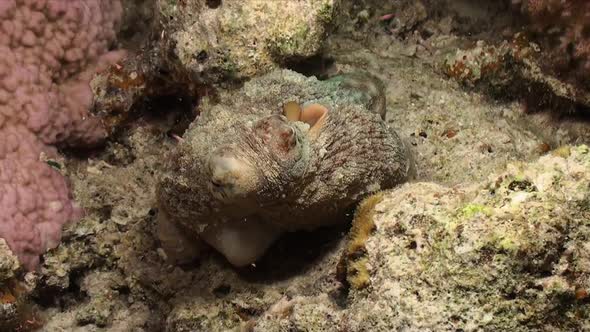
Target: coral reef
{"type": "Point", "coordinates": [298, 274]}
{"type": "Point", "coordinates": [511, 69]}
{"type": "Point", "coordinates": [449, 253]}
{"type": "Point", "coordinates": [107, 306]}
{"type": "Point", "coordinates": [102, 253]}
{"type": "Point", "coordinates": [116, 188]}
{"type": "Point", "coordinates": [546, 64]}
{"type": "Point", "coordinates": [514, 244]}
{"type": "Point", "coordinates": [215, 40]}
{"type": "Point", "coordinates": [185, 48]}
{"type": "Point", "coordinates": [266, 173]}
{"type": "Point", "coordinates": [562, 29]}
{"type": "Point", "coordinates": [553, 108]}
{"type": "Point", "coordinates": [16, 311]}
{"type": "Point", "coordinates": [50, 49]}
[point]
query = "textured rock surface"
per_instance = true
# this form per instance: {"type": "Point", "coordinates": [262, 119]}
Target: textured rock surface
{"type": "Point", "coordinates": [512, 69]}
{"type": "Point", "coordinates": [49, 50]}
{"type": "Point", "coordinates": [107, 305]}
{"type": "Point", "coordinates": [562, 27]}
{"type": "Point", "coordinates": [542, 58]}
{"type": "Point", "coordinates": [8, 262]}
{"type": "Point", "coordinates": [118, 196]}
{"type": "Point", "coordinates": [213, 40]}
{"type": "Point", "coordinates": [183, 48]}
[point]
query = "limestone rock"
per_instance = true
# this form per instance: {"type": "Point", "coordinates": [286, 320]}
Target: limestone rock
{"type": "Point", "coordinates": [212, 40]}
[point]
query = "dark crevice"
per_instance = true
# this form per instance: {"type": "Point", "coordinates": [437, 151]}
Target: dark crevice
{"type": "Point", "coordinates": [296, 252]}
{"type": "Point", "coordinates": [213, 4]}
{"type": "Point", "coordinates": [318, 66]}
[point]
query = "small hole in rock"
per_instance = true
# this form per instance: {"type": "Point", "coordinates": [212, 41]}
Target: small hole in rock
{"type": "Point", "coordinates": [510, 296]}
{"type": "Point", "coordinates": [318, 66]}
{"type": "Point", "coordinates": [213, 3]}
{"type": "Point", "coordinates": [202, 56]}
{"type": "Point", "coordinates": [222, 290]}
{"type": "Point", "coordinates": [522, 185]}
{"type": "Point", "coordinates": [105, 212]}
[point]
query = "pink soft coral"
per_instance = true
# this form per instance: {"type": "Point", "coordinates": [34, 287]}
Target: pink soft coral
{"type": "Point", "coordinates": [49, 48]}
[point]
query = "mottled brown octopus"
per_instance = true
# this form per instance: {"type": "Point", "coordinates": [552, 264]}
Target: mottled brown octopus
{"type": "Point", "coordinates": [284, 153]}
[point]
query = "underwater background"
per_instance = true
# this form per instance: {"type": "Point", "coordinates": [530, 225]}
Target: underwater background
{"type": "Point", "coordinates": [294, 165]}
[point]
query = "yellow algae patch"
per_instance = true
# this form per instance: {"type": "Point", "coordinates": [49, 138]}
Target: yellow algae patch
{"type": "Point", "coordinates": [355, 263]}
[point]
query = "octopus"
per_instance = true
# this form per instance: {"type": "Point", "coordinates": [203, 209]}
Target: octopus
{"type": "Point", "coordinates": [284, 153]}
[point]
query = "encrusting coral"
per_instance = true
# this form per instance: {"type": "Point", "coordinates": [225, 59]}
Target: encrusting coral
{"type": "Point", "coordinates": [511, 69]}
{"type": "Point", "coordinates": [213, 41]}
{"type": "Point", "coordinates": [50, 49]}
{"type": "Point", "coordinates": [564, 24]}
{"type": "Point", "coordinates": [515, 244]}
{"type": "Point", "coordinates": [245, 173]}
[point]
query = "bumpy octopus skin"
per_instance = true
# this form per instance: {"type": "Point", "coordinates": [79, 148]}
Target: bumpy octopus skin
{"type": "Point", "coordinates": [242, 177]}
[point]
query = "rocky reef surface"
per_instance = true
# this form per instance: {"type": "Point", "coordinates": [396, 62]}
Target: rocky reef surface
{"type": "Point", "coordinates": [490, 236]}
{"type": "Point", "coordinates": [216, 40]}
{"type": "Point", "coordinates": [509, 253]}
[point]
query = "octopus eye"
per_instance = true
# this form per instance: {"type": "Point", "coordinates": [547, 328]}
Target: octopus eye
{"type": "Point", "coordinates": [276, 132]}
{"type": "Point", "coordinates": [287, 139]}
